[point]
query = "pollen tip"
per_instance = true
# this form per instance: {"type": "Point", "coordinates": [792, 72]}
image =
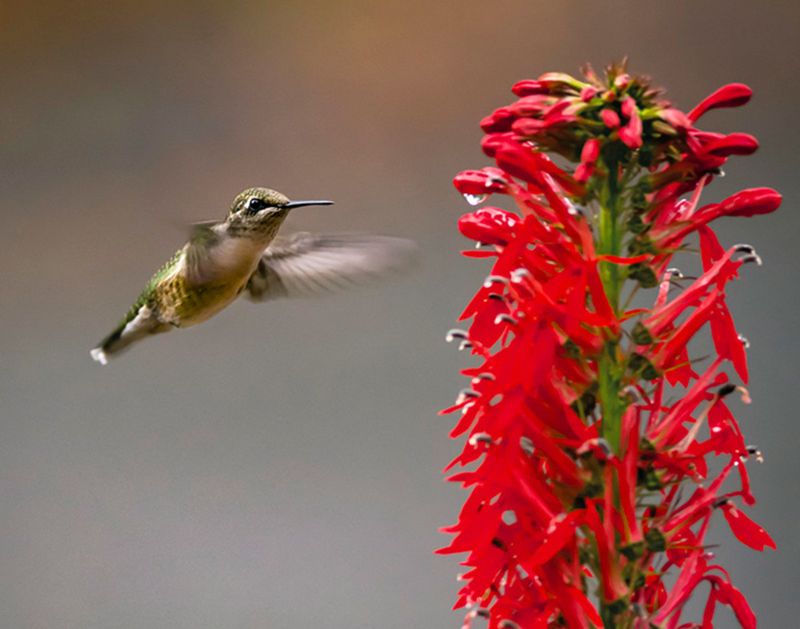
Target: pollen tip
{"type": "Point", "coordinates": [505, 317]}
{"type": "Point", "coordinates": [750, 254]}
{"type": "Point", "coordinates": [480, 437]}
{"type": "Point", "coordinates": [484, 375]}
{"type": "Point", "coordinates": [726, 389]}
{"type": "Point", "coordinates": [454, 334]}
{"type": "Point", "coordinates": [494, 279]}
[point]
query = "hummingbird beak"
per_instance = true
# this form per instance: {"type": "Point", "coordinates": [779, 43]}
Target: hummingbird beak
{"type": "Point", "coordinates": [295, 204]}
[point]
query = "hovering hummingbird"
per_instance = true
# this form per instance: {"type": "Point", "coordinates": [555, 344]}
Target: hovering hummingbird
{"type": "Point", "coordinates": [243, 255]}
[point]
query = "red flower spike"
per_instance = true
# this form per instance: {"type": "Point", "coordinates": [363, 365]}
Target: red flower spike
{"type": "Point", "coordinates": [579, 410]}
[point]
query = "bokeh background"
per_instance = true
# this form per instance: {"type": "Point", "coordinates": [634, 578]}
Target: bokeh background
{"type": "Point", "coordinates": [279, 466]}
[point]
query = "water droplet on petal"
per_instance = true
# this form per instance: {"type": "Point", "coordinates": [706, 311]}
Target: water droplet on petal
{"type": "Point", "coordinates": [475, 199]}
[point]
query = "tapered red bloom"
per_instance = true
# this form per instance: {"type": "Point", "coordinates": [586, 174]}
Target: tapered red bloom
{"type": "Point", "coordinates": [590, 426]}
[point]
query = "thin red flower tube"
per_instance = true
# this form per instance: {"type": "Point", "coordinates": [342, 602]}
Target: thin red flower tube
{"type": "Point", "coordinates": [591, 427]}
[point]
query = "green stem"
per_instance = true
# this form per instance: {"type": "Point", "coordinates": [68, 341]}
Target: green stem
{"type": "Point", "coordinates": [610, 370]}
{"type": "Point", "coordinates": [611, 365]}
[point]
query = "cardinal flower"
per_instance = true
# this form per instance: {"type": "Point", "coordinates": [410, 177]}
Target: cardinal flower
{"type": "Point", "coordinates": [591, 426]}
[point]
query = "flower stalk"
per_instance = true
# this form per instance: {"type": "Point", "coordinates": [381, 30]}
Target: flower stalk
{"type": "Point", "coordinates": [591, 426]}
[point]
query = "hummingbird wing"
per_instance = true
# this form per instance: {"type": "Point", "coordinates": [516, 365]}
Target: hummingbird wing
{"type": "Point", "coordinates": [306, 264]}
{"type": "Point", "coordinates": [201, 239]}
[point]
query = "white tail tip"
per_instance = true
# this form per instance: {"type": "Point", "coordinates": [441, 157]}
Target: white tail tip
{"type": "Point", "coordinates": [99, 356]}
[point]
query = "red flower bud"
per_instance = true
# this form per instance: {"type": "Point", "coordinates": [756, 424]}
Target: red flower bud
{"type": "Point", "coordinates": [676, 118]}
{"type": "Point", "coordinates": [588, 93]}
{"type": "Point", "coordinates": [622, 81]}
{"type": "Point", "coordinates": [531, 105]}
{"type": "Point", "coordinates": [589, 155]}
{"type": "Point", "coordinates": [498, 121]}
{"type": "Point", "coordinates": [590, 151]}
{"type": "Point", "coordinates": [631, 133]}
{"type": "Point", "coordinates": [529, 87]}
{"type": "Point", "coordinates": [490, 143]}
{"type": "Point", "coordinates": [629, 107]}
{"type": "Point", "coordinates": [610, 118]}
{"type": "Point", "coordinates": [561, 83]}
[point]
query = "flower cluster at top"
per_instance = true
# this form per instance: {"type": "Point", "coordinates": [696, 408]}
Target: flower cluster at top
{"type": "Point", "coordinates": [591, 427]}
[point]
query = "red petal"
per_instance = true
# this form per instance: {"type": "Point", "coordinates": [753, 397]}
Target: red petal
{"type": "Point", "coordinates": [489, 225]}
{"type": "Point", "coordinates": [731, 95]}
{"type": "Point", "coordinates": [745, 530]}
{"type": "Point", "coordinates": [727, 341]}
{"type": "Point", "coordinates": [562, 533]}
{"type": "Point", "coordinates": [480, 182]}
{"type": "Point", "coordinates": [729, 595]}
{"type": "Point", "coordinates": [751, 202]}
{"type": "Point", "coordinates": [732, 144]}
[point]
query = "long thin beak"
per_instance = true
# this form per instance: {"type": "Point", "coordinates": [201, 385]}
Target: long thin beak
{"type": "Point", "coordinates": [295, 204]}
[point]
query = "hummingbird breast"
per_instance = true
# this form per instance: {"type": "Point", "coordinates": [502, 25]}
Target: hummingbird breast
{"type": "Point", "coordinates": [190, 296]}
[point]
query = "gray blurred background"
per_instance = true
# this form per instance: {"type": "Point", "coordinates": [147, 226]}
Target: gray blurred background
{"type": "Point", "coordinates": [279, 466]}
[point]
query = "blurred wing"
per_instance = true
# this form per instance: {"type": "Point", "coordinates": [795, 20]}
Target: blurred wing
{"type": "Point", "coordinates": [310, 264]}
{"type": "Point", "coordinates": [201, 239]}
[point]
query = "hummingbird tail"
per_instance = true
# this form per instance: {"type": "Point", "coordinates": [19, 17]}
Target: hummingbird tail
{"type": "Point", "coordinates": [98, 354]}
{"type": "Point", "coordinates": [128, 332]}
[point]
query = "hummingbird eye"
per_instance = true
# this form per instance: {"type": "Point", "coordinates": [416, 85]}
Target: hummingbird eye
{"type": "Point", "coordinates": [256, 205]}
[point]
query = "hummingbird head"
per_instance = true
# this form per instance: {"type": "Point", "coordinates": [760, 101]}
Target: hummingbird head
{"type": "Point", "coordinates": [259, 212]}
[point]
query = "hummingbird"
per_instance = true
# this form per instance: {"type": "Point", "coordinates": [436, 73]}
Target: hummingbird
{"type": "Point", "coordinates": [243, 255]}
